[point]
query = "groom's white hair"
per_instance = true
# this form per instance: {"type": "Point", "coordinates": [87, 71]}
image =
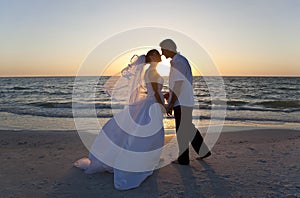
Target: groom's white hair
{"type": "Point", "coordinates": [168, 44]}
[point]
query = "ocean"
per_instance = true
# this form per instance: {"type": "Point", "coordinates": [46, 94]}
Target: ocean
{"type": "Point", "coordinates": [45, 103]}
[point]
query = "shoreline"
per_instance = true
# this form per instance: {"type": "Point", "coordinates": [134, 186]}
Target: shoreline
{"type": "Point", "coordinates": [250, 163]}
{"type": "Point", "coordinates": [227, 128]}
{"type": "Point", "coordinates": [36, 123]}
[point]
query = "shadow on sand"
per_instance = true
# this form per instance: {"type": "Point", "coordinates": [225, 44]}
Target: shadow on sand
{"type": "Point", "coordinates": [78, 184]}
{"type": "Point", "coordinates": [197, 180]}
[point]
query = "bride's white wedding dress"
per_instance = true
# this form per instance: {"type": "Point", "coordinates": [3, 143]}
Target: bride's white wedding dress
{"type": "Point", "coordinates": [130, 155]}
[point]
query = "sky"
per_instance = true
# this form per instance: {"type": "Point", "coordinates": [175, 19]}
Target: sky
{"type": "Point", "coordinates": [243, 38]}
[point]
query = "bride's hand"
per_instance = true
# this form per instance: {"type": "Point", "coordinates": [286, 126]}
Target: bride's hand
{"type": "Point", "coordinates": [163, 108]}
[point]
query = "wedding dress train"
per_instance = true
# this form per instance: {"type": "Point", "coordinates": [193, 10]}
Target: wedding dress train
{"type": "Point", "coordinates": [131, 155]}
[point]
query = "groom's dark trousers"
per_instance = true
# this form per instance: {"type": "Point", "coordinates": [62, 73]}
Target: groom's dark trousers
{"type": "Point", "coordinates": [186, 132]}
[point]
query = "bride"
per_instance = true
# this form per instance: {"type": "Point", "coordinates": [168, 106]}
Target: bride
{"type": "Point", "coordinates": [129, 145]}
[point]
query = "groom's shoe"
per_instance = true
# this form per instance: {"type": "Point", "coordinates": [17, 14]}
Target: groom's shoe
{"type": "Point", "coordinates": [180, 163]}
{"type": "Point", "coordinates": [205, 156]}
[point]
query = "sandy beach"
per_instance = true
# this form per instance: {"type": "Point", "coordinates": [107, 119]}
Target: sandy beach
{"type": "Point", "coordinates": [253, 163]}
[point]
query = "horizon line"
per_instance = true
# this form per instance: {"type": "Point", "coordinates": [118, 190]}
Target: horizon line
{"type": "Point", "coordinates": [41, 76]}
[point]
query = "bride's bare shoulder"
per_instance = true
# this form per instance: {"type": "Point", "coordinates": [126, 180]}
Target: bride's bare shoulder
{"type": "Point", "coordinates": [152, 74]}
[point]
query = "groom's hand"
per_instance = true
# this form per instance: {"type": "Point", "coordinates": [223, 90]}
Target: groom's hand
{"type": "Point", "coordinates": [169, 113]}
{"type": "Point", "coordinates": [169, 110]}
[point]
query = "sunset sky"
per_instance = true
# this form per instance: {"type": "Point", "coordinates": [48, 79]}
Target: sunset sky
{"type": "Point", "coordinates": [244, 37]}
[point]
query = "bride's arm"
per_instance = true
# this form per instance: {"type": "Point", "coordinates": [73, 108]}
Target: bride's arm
{"type": "Point", "coordinates": [157, 96]}
{"type": "Point", "coordinates": [152, 76]}
{"type": "Point", "coordinates": [156, 93]}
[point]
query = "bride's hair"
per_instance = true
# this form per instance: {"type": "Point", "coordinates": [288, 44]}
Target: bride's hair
{"type": "Point", "coordinates": [153, 56]}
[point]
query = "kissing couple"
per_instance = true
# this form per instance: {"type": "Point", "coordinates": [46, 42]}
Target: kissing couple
{"type": "Point", "coordinates": [129, 145]}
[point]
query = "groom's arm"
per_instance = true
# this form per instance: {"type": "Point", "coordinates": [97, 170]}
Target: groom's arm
{"type": "Point", "coordinates": [175, 93]}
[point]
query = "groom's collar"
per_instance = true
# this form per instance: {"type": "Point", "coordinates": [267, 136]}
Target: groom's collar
{"type": "Point", "coordinates": [175, 57]}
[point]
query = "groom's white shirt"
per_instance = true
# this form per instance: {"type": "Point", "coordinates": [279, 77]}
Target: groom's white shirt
{"type": "Point", "coordinates": [181, 71]}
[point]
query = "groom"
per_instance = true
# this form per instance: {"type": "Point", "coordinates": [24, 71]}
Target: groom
{"type": "Point", "coordinates": [181, 100]}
